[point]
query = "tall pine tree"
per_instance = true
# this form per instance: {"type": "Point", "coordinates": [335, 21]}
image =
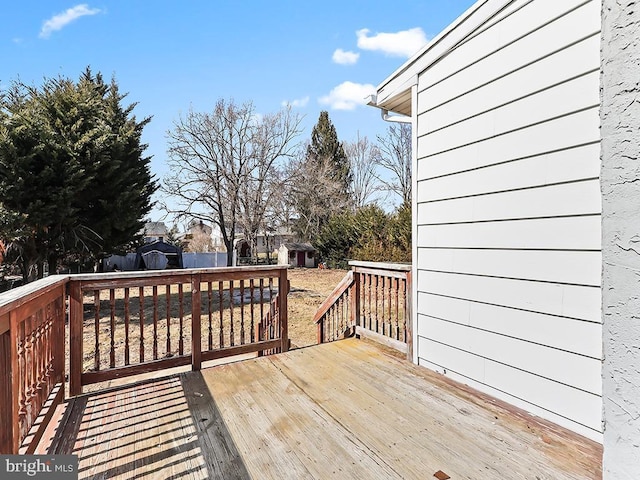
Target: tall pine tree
{"type": "Point", "coordinates": [325, 148]}
{"type": "Point", "coordinates": [320, 181]}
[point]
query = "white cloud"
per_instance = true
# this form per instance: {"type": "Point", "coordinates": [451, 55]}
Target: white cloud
{"type": "Point", "coordinates": [399, 44]}
{"type": "Point", "coordinates": [61, 20]}
{"type": "Point", "coordinates": [298, 102]}
{"type": "Point", "coordinates": [345, 58]}
{"type": "Point", "coordinates": [348, 95]}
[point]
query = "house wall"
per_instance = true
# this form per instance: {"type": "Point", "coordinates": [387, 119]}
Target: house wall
{"type": "Point", "coordinates": [508, 209]}
{"type": "Point", "coordinates": [620, 223]}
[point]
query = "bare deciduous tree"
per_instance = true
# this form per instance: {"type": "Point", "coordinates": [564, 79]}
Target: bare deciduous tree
{"type": "Point", "coordinates": [221, 166]}
{"type": "Point", "coordinates": [315, 194]}
{"type": "Point", "coordinates": [362, 155]}
{"type": "Point", "coordinates": [395, 157]}
{"type": "Point", "coordinates": [273, 142]}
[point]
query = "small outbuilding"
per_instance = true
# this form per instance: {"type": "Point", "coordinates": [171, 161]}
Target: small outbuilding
{"type": "Point", "coordinates": [158, 256]}
{"type": "Point", "coordinates": [297, 255]}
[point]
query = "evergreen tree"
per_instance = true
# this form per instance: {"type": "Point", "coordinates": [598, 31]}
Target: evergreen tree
{"type": "Point", "coordinates": [320, 181]}
{"type": "Point", "coordinates": [325, 147]}
{"type": "Point", "coordinates": [73, 181]}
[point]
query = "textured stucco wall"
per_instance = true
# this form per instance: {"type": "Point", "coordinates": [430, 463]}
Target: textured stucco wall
{"type": "Point", "coordinates": [620, 183]}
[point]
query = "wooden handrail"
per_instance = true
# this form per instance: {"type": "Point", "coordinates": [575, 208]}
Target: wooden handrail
{"type": "Point", "coordinates": [337, 292]}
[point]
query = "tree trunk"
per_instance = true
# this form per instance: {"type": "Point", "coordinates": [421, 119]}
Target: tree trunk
{"type": "Point", "coordinates": [53, 264]}
{"type": "Point", "coordinates": [229, 245]}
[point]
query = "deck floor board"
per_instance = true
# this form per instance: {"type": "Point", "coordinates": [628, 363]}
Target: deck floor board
{"type": "Point", "coordinates": [348, 409]}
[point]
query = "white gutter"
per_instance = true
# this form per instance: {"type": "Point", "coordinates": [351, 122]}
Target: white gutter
{"type": "Point", "coordinates": [384, 113]}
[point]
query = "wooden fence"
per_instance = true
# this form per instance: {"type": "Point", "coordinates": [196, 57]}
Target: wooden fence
{"type": "Point", "coordinates": [127, 323]}
{"type": "Point", "coordinates": [373, 301]}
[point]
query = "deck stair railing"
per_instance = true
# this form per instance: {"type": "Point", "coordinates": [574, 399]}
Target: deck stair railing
{"type": "Point", "coordinates": [372, 301]}
{"type": "Point", "coordinates": [123, 324]}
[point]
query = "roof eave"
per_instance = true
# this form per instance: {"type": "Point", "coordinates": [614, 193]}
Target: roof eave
{"type": "Point", "coordinates": [394, 93]}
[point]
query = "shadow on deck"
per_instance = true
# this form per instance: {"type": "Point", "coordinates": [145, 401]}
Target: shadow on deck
{"type": "Point", "coordinates": [347, 409]}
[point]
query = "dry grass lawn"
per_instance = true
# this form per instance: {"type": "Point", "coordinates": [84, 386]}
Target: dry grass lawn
{"type": "Point", "coordinates": [309, 288]}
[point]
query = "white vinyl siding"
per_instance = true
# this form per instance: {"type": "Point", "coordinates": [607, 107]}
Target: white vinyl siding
{"type": "Point", "coordinates": [508, 211]}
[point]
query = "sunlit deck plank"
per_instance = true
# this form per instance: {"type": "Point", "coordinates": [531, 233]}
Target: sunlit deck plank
{"type": "Point", "coordinates": [348, 409]}
{"type": "Point", "coordinates": [411, 426]}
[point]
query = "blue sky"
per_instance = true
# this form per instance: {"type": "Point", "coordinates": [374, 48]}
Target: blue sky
{"type": "Point", "coordinates": [172, 55]}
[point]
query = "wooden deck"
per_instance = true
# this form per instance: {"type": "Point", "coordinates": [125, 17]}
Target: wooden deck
{"type": "Point", "coordinates": [347, 409]}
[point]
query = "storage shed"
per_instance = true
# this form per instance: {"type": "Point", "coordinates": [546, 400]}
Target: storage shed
{"type": "Point", "coordinates": [297, 255]}
{"type": "Point", "coordinates": [504, 106]}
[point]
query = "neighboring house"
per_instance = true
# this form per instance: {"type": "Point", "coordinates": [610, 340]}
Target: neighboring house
{"type": "Point", "coordinates": [265, 242]}
{"type": "Point", "coordinates": [507, 204]}
{"type": "Point", "coordinates": [154, 231]}
{"type": "Point", "coordinates": [271, 241]}
{"type": "Point", "coordinates": [198, 237]}
{"type": "Point", "coordinates": [297, 255]}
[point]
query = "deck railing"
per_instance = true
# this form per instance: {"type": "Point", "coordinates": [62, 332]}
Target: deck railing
{"type": "Point", "coordinates": [123, 324]}
{"type": "Point", "coordinates": [32, 333]}
{"type": "Point", "coordinates": [373, 300]}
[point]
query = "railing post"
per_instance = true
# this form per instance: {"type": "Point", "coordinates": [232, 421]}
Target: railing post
{"type": "Point", "coordinates": [76, 314]}
{"type": "Point", "coordinates": [283, 291]}
{"type": "Point", "coordinates": [6, 394]}
{"type": "Point", "coordinates": [320, 331]}
{"type": "Point", "coordinates": [355, 300]}
{"type": "Point", "coordinates": [9, 429]}
{"type": "Point", "coordinates": [15, 382]}
{"type": "Point", "coordinates": [196, 323]}
{"type": "Point", "coordinates": [409, 319]}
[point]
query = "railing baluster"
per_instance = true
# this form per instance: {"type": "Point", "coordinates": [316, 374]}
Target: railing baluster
{"type": "Point", "coordinates": [382, 308]}
{"type": "Point", "coordinates": [127, 320]}
{"type": "Point", "coordinates": [252, 303]}
{"type": "Point", "coordinates": [396, 296]}
{"type": "Point", "coordinates": [370, 285]}
{"type": "Point", "coordinates": [22, 370]}
{"type": "Point", "coordinates": [389, 300]}
{"type": "Point", "coordinates": [141, 319]}
{"type": "Point", "coordinates": [167, 294]}
{"type": "Point", "coordinates": [241, 312]}
{"type": "Point", "coordinates": [181, 302]}
{"type": "Point", "coordinates": [377, 303]}
{"type": "Point", "coordinates": [261, 331]}
{"type": "Point", "coordinates": [404, 309]}
{"type": "Point", "coordinates": [221, 311]}
{"type": "Point", "coordinates": [154, 293]}
{"type": "Point", "coordinates": [28, 393]}
{"type": "Point", "coordinates": [210, 315]}
{"type": "Point", "coordinates": [271, 310]}
{"type": "Point", "coordinates": [231, 332]}
{"type": "Point", "coordinates": [96, 302]}
{"type": "Point", "coordinates": [112, 328]}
